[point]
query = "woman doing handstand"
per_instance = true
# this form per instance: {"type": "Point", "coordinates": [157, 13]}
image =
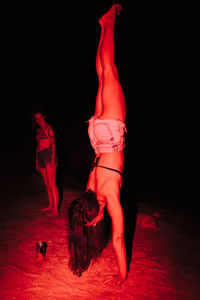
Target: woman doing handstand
{"type": "Point", "coordinates": [106, 132]}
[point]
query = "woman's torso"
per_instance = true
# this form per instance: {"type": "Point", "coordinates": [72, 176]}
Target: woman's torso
{"type": "Point", "coordinates": [100, 179]}
{"type": "Point", "coordinates": [43, 139]}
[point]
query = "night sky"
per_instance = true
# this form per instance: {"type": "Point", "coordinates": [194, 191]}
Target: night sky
{"type": "Point", "coordinates": [48, 61]}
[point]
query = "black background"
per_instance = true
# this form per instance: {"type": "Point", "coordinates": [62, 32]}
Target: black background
{"type": "Point", "coordinates": [48, 61]}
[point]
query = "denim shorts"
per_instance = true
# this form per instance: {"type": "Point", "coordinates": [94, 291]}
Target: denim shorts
{"type": "Point", "coordinates": [106, 135]}
{"type": "Point", "coordinates": [44, 157]}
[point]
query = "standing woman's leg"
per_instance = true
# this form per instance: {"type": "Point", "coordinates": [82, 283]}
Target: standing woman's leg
{"type": "Point", "coordinates": [113, 102]}
{"type": "Point", "coordinates": [48, 189]}
{"type": "Point", "coordinates": [51, 177]}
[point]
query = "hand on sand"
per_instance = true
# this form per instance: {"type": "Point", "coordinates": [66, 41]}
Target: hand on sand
{"type": "Point", "coordinates": [115, 280]}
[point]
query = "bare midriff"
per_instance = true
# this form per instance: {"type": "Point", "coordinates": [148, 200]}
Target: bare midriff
{"type": "Point", "coordinates": [43, 144]}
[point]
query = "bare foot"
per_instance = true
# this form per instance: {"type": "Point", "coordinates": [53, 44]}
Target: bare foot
{"type": "Point", "coordinates": [115, 280]}
{"type": "Point", "coordinates": [46, 208]}
{"type": "Point", "coordinates": [53, 212]}
{"type": "Point", "coordinates": [111, 14]}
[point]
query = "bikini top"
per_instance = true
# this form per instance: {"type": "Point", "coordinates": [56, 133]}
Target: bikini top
{"type": "Point", "coordinates": [44, 133]}
{"type": "Point", "coordinates": [95, 164]}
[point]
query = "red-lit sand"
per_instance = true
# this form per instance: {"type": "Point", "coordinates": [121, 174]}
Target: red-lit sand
{"type": "Point", "coordinates": [164, 261]}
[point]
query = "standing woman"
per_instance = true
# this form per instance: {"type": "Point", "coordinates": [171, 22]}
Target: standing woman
{"type": "Point", "coordinates": [106, 132]}
{"type": "Point", "coordinates": [46, 159]}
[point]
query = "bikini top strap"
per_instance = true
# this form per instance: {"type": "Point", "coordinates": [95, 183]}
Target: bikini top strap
{"type": "Point", "coordinates": [109, 169]}
{"type": "Point", "coordinates": [95, 164]}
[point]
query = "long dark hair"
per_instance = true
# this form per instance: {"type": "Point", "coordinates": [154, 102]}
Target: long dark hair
{"type": "Point", "coordinates": [85, 242]}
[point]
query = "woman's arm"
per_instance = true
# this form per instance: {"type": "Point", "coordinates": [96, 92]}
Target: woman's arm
{"type": "Point", "coordinates": [52, 143]}
{"type": "Point", "coordinates": [116, 213]}
{"type": "Point", "coordinates": [37, 167]}
{"type": "Point", "coordinates": [99, 217]}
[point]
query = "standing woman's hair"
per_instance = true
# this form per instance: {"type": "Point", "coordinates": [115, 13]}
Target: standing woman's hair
{"type": "Point", "coordinates": [85, 242]}
{"type": "Point", "coordinates": [39, 111]}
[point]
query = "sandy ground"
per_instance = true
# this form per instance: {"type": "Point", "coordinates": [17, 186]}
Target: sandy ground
{"type": "Point", "coordinates": [164, 262]}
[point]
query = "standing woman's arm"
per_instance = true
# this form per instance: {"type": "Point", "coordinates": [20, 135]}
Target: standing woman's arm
{"type": "Point", "coordinates": [37, 167]}
{"type": "Point", "coordinates": [52, 143]}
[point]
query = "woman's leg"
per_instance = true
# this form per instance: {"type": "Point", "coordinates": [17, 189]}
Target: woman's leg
{"type": "Point", "coordinates": [51, 178]}
{"type": "Point", "coordinates": [48, 189]}
{"type": "Point", "coordinates": [98, 107]}
{"type": "Point", "coordinates": [112, 97]}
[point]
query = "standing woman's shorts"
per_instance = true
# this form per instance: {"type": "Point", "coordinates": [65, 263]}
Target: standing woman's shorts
{"type": "Point", "coordinates": [44, 157]}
